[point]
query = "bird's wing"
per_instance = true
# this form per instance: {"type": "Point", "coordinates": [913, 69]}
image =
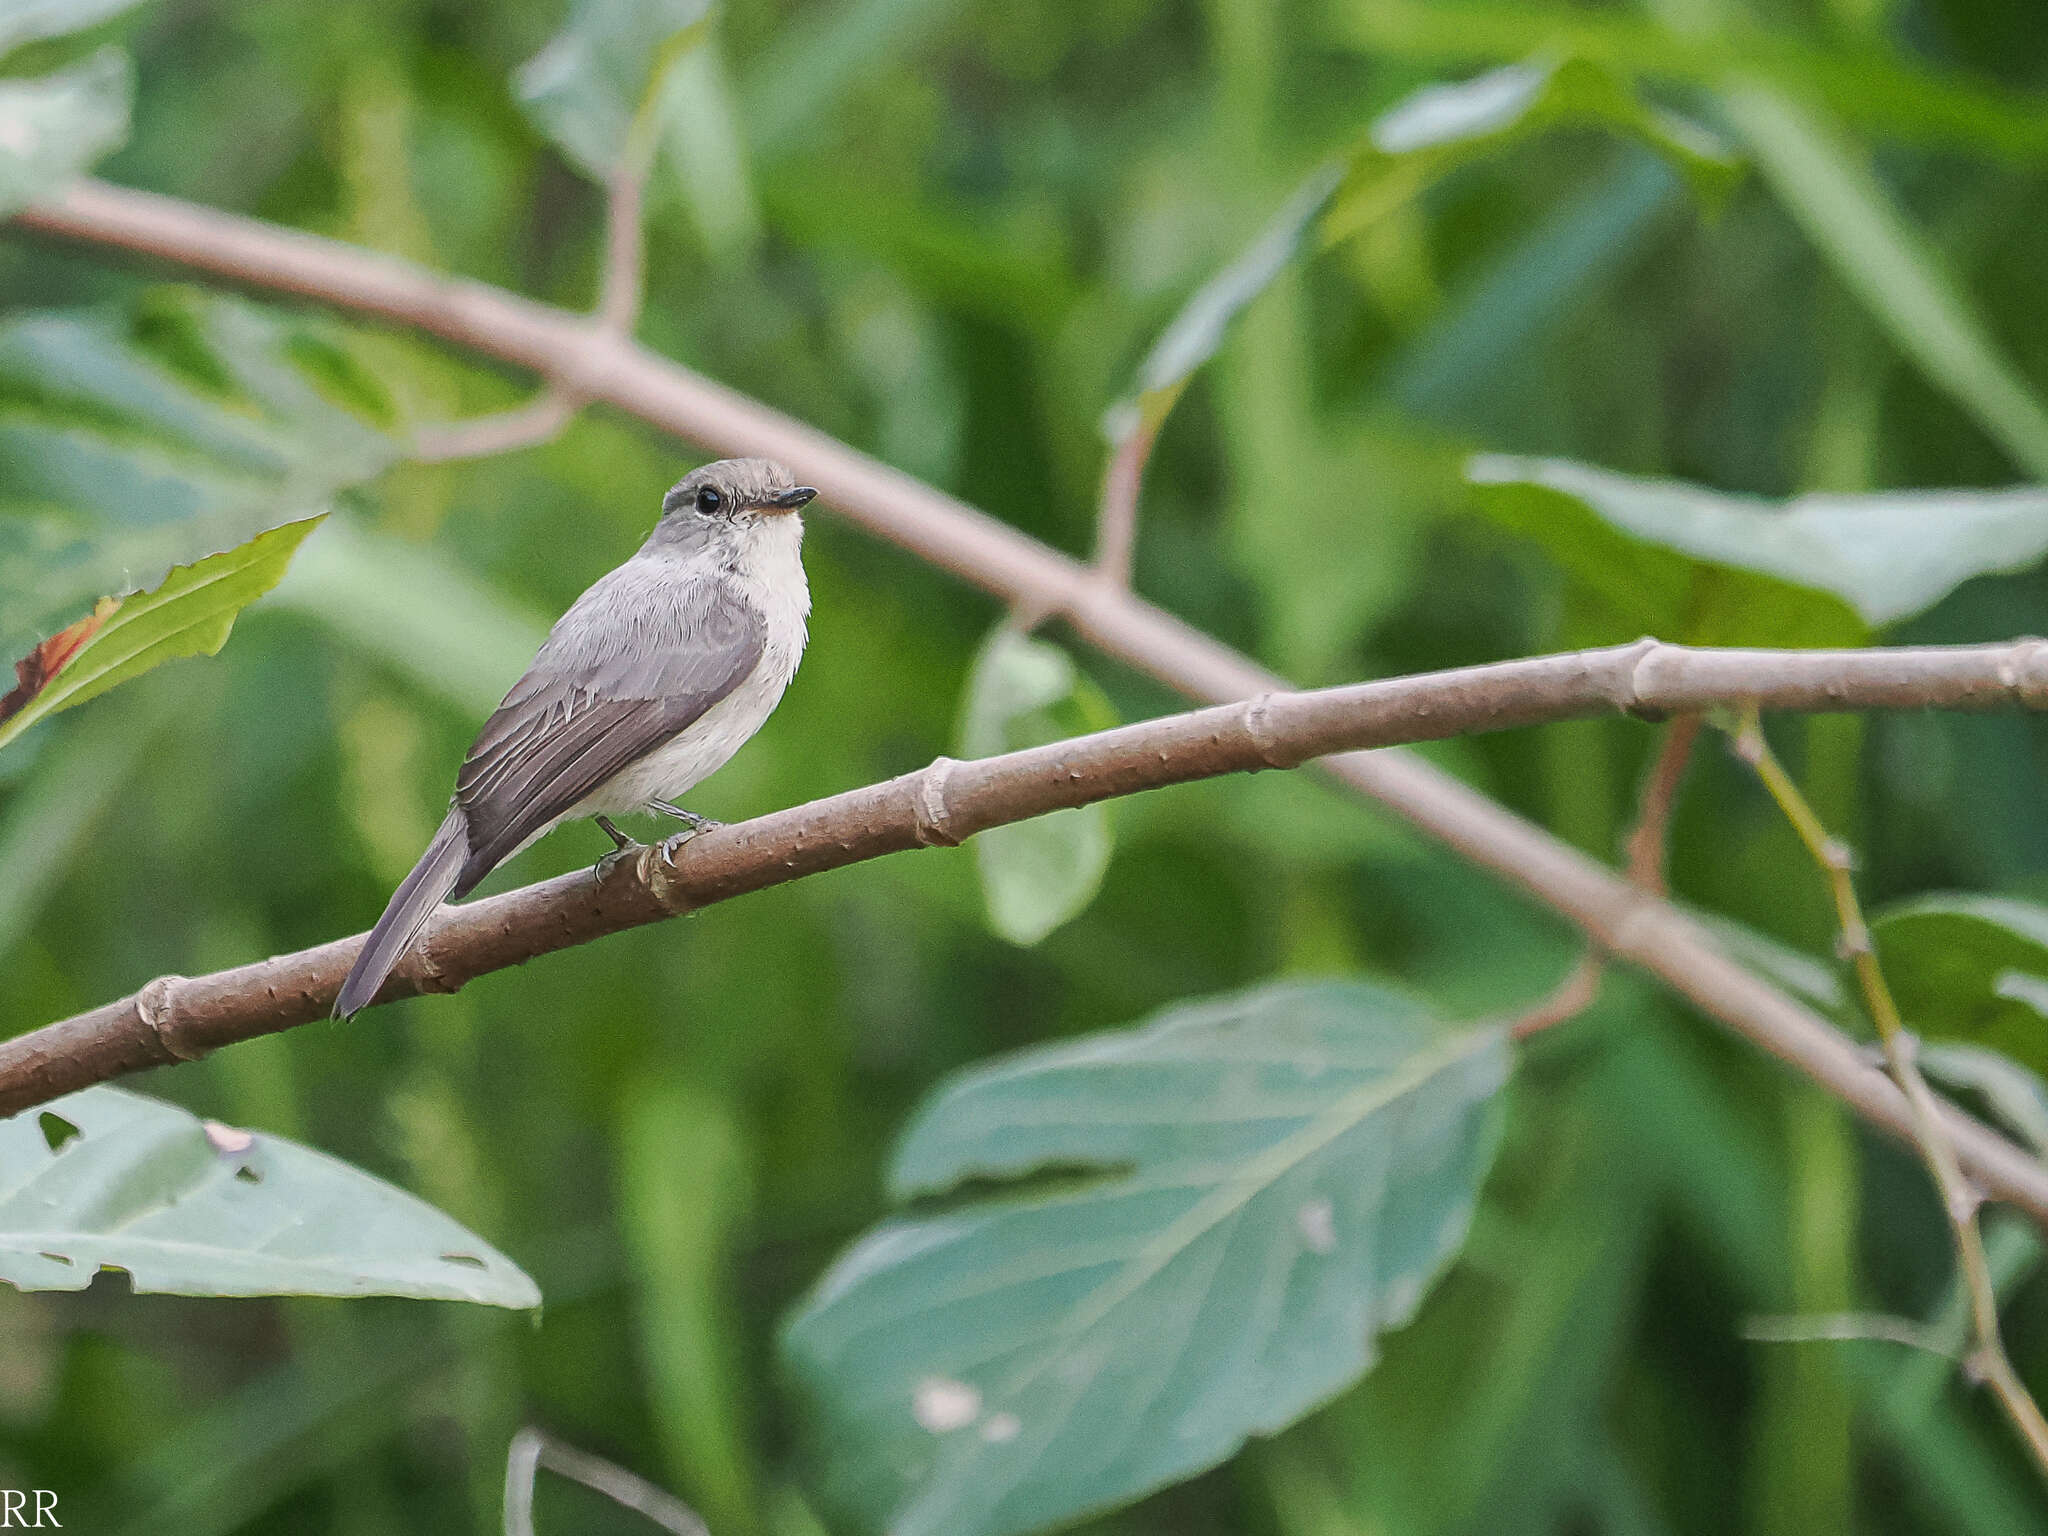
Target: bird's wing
{"type": "Point", "coordinates": [600, 695]}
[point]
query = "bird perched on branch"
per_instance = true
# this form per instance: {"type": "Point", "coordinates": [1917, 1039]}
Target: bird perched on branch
{"type": "Point", "coordinates": [651, 680]}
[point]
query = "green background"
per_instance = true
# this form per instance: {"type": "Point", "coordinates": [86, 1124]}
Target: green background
{"type": "Point", "coordinates": [948, 232]}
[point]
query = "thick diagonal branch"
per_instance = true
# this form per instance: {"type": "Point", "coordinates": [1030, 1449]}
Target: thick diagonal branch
{"type": "Point", "coordinates": [572, 352]}
{"type": "Point", "coordinates": [180, 1018]}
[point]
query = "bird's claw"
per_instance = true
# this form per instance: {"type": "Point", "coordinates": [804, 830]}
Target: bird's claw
{"type": "Point", "coordinates": [610, 861]}
{"type": "Point", "coordinates": [672, 845]}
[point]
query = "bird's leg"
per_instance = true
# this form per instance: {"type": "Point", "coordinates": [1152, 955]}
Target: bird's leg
{"type": "Point", "coordinates": [692, 825]}
{"type": "Point", "coordinates": [689, 819]}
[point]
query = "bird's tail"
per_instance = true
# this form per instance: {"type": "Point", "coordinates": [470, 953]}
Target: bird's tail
{"type": "Point", "coordinates": [411, 905]}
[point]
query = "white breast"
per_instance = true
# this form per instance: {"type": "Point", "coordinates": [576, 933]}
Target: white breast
{"type": "Point", "coordinates": [772, 574]}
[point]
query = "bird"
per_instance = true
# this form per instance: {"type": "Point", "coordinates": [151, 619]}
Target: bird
{"type": "Point", "coordinates": [654, 677]}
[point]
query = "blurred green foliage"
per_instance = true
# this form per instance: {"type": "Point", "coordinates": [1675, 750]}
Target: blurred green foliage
{"type": "Point", "coordinates": [949, 232]}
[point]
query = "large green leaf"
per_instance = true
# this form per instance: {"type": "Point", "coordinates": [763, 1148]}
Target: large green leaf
{"type": "Point", "coordinates": [1972, 968]}
{"type": "Point", "coordinates": [189, 615]}
{"type": "Point", "coordinates": [1250, 1191]}
{"type": "Point", "coordinates": [1442, 127]}
{"type": "Point", "coordinates": [133, 440]}
{"type": "Point", "coordinates": [1035, 874]}
{"type": "Point", "coordinates": [596, 88]}
{"type": "Point", "coordinates": [106, 1179]}
{"type": "Point", "coordinates": [1700, 565]}
{"type": "Point", "coordinates": [54, 127]}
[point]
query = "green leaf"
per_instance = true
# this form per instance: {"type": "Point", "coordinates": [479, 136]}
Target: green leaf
{"type": "Point", "coordinates": [189, 615]}
{"type": "Point", "coordinates": [1251, 1190]}
{"type": "Point", "coordinates": [1442, 127]}
{"type": "Point", "coordinates": [2016, 1098]}
{"type": "Point", "coordinates": [1792, 572]}
{"type": "Point", "coordinates": [1194, 334]}
{"type": "Point", "coordinates": [1971, 968]}
{"type": "Point", "coordinates": [1866, 85]}
{"type": "Point", "coordinates": [595, 89]}
{"type": "Point", "coordinates": [105, 1179]}
{"type": "Point", "coordinates": [1035, 874]}
{"type": "Point", "coordinates": [133, 440]}
{"type": "Point", "coordinates": [56, 126]}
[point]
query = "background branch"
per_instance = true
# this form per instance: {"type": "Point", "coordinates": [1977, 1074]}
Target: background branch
{"type": "Point", "coordinates": [568, 350]}
{"type": "Point", "coordinates": [180, 1019]}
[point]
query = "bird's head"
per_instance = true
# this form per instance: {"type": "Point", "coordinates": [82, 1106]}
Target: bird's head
{"type": "Point", "coordinates": [733, 494]}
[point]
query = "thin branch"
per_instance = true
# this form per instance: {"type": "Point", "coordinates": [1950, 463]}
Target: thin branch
{"type": "Point", "coordinates": [540, 420]}
{"type": "Point", "coordinates": [1848, 1327]}
{"type": "Point", "coordinates": [619, 296]}
{"type": "Point", "coordinates": [1116, 517]}
{"type": "Point", "coordinates": [565, 349]}
{"type": "Point", "coordinates": [1645, 846]}
{"type": "Point", "coordinates": [1960, 1199]}
{"type": "Point", "coordinates": [531, 1450]}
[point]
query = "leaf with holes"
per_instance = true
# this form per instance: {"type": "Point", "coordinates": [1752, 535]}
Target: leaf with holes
{"type": "Point", "coordinates": [123, 637]}
{"type": "Point", "coordinates": [1972, 968]}
{"type": "Point", "coordinates": [106, 1179]}
{"type": "Point", "coordinates": [1230, 1204]}
{"type": "Point", "coordinates": [1439, 128]}
{"type": "Point", "coordinates": [55, 127]}
{"type": "Point", "coordinates": [1686, 562]}
{"type": "Point", "coordinates": [1036, 874]}
{"type": "Point", "coordinates": [133, 440]}
{"type": "Point", "coordinates": [596, 88]}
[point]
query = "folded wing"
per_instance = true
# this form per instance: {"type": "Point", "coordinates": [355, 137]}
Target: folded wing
{"type": "Point", "coordinates": [599, 696]}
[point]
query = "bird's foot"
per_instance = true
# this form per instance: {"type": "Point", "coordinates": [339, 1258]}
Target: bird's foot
{"type": "Point", "coordinates": [620, 841]}
{"type": "Point", "coordinates": [672, 845]}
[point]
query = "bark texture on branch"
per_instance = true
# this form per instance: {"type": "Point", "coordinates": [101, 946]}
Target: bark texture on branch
{"type": "Point", "coordinates": [573, 354]}
{"type": "Point", "coordinates": [183, 1018]}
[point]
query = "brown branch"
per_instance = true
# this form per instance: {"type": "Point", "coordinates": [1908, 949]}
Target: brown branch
{"type": "Point", "coordinates": [1116, 517]}
{"type": "Point", "coordinates": [1645, 847]}
{"type": "Point", "coordinates": [180, 1019]}
{"type": "Point", "coordinates": [567, 350]}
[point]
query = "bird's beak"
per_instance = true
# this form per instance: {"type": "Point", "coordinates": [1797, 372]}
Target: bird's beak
{"type": "Point", "coordinates": [790, 500]}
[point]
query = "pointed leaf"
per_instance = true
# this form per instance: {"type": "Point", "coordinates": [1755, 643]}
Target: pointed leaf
{"type": "Point", "coordinates": [1248, 1192]}
{"type": "Point", "coordinates": [1969, 967]}
{"type": "Point", "coordinates": [1647, 545]}
{"type": "Point", "coordinates": [189, 615]}
{"type": "Point", "coordinates": [1036, 874]}
{"type": "Point", "coordinates": [1194, 334]}
{"type": "Point", "coordinates": [105, 1179]}
{"type": "Point", "coordinates": [55, 127]}
{"type": "Point", "coordinates": [1442, 127]}
{"type": "Point", "coordinates": [594, 89]}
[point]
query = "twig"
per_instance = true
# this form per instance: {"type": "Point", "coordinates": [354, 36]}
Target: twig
{"type": "Point", "coordinates": [531, 1450]}
{"type": "Point", "coordinates": [620, 288]}
{"type": "Point", "coordinates": [1961, 1201]}
{"type": "Point", "coordinates": [1849, 1327]}
{"type": "Point", "coordinates": [540, 420]}
{"type": "Point", "coordinates": [1645, 847]}
{"type": "Point", "coordinates": [1116, 518]}
{"type": "Point", "coordinates": [955, 537]}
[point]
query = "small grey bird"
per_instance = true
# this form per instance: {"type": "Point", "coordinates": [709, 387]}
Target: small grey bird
{"type": "Point", "coordinates": [651, 680]}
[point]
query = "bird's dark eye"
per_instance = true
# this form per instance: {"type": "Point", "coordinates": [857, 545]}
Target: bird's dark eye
{"type": "Point", "coordinates": [709, 500]}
